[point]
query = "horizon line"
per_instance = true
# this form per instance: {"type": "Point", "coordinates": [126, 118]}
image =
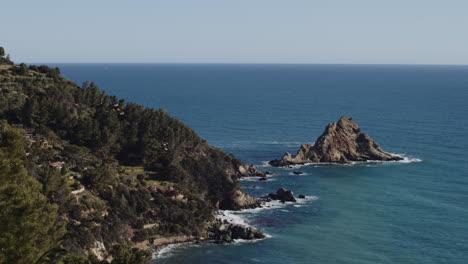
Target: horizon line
{"type": "Point", "coordinates": [255, 63]}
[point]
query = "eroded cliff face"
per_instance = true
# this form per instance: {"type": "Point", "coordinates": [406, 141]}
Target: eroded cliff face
{"type": "Point", "coordinates": [341, 142]}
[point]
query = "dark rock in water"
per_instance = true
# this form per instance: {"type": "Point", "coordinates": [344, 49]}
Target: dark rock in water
{"type": "Point", "coordinates": [263, 179]}
{"type": "Point", "coordinates": [298, 172]}
{"type": "Point", "coordinates": [224, 232]}
{"type": "Point", "coordinates": [268, 172]}
{"type": "Point", "coordinates": [245, 232]}
{"type": "Point", "coordinates": [301, 196]}
{"type": "Point", "coordinates": [283, 195]}
{"type": "Point", "coordinates": [341, 142]}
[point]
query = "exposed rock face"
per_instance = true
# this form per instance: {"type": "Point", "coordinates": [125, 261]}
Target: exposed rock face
{"type": "Point", "coordinates": [341, 142]}
{"type": "Point", "coordinates": [246, 170]}
{"type": "Point", "coordinates": [241, 200]}
{"type": "Point", "coordinates": [283, 195]}
{"type": "Point", "coordinates": [238, 199]}
{"type": "Point", "coordinates": [224, 232]}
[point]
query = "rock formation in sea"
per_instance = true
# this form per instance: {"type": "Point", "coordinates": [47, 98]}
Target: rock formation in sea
{"type": "Point", "coordinates": [240, 200]}
{"type": "Point", "coordinates": [225, 232]}
{"type": "Point", "coordinates": [247, 170]}
{"type": "Point", "coordinates": [341, 142]}
{"type": "Point", "coordinates": [282, 195]}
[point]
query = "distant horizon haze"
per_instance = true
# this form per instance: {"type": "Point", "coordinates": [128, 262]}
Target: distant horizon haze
{"type": "Point", "coordinates": [421, 32]}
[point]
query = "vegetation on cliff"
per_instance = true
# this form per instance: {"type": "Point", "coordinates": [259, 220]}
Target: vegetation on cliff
{"type": "Point", "coordinates": [97, 175]}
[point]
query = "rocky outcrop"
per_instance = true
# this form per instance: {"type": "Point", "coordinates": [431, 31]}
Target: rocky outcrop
{"type": "Point", "coordinates": [240, 200]}
{"type": "Point", "coordinates": [283, 195]}
{"type": "Point", "coordinates": [225, 232]}
{"type": "Point", "coordinates": [341, 142]}
{"type": "Point", "coordinates": [246, 170]}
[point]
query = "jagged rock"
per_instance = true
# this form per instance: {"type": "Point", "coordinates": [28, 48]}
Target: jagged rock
{"type": "Point", "coordinates": [301, 196]}
{"type": "Point", "coordinates": [341, 142]}
{"type": "Point", "coordinates": [249, 170]}
{"type": "Point", "coordinates": [224, 232]}
{"type": "Point", "coordinates": [298, 172]}
{"type": "Point", "coordinates": [240, 200]}
{"type": "Point", "coordinates": [283, 195]}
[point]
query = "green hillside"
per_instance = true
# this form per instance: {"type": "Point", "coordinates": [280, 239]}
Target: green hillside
{"type": "Point", "coordinates": [103, 175]}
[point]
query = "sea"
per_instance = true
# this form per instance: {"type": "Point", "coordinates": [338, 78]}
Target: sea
{"type": "Point", "coordinates": [413, 211]}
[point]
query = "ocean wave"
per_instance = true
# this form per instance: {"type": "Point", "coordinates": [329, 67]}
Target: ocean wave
{"type": "Point", "coordinates": [164, 252]}
{"type": "Point", "coordinates": [242, 241]}
{"type": "Point", "coordinates": [232, 217]}
{"type": "Point", "coordinates": [169, 250]}
{"type": "Point", "coordinates": [264, 164]}
{"type": "Point", "coordinates": [406, 159]}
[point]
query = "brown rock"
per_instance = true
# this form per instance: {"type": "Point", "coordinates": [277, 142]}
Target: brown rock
{"type": "Point", "coordinates": [240, 200]}
{"type": "Point", "coordinates": [246, 170]}
{"type": "Point", "coordinates": [341, 142]}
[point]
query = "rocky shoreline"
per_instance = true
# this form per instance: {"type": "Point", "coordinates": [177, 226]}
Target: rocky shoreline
{"type": "Point", "coordinates": [223, 231]}
{"type": "Point", "coordinates": [341, 142]}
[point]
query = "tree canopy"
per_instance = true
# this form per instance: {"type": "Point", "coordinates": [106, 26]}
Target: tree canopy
{"type": "Point", "coordinates": [28, 223]}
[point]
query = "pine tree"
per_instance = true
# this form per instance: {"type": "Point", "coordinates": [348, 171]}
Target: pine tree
{"type": "Point", "coordinates": [28, 223]}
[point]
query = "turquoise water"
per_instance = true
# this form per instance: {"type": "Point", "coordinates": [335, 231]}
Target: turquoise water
{"type": "Point", "coordinates": [414, 212]}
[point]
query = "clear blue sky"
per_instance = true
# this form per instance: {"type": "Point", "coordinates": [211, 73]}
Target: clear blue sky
{"type": "Point", "coordinates": [237, 31]}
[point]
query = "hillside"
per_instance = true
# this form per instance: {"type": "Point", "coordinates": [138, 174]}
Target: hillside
{"type": "Point", "coordinates": [115, 175]}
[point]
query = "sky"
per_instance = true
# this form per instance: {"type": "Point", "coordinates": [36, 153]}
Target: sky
{"type": "Point", "coordinates": [236, 31]}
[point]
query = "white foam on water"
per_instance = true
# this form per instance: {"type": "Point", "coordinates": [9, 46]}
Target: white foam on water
{"type": "Point", "coordinates": [406, 159]}
{"type": "Point", "coordinates": [256, 178]}
{"type": "Point", "coordinates": [307, 199]}
{"type": "Point", "coordinates": [236, 217]}
{"type": "Point", "coordinates": [168, 250]}
{"type": "Point", "coordinates": [250, 178]}
{"type": "Point", "coordinates": [264, 164]}
{"type": "Point", "coordinates": [232, 217]}
{"type": "Point", "coordinates": [242, 241]}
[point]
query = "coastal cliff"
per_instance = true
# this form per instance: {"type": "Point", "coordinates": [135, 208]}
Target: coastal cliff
{"type": "Point", "coordinates": [113, 175]}
{"type": "Point", "coordinates": [341, 142]}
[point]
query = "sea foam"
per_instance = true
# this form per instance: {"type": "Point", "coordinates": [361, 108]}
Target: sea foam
{"type": "Point", "coordinates": [406, 159]}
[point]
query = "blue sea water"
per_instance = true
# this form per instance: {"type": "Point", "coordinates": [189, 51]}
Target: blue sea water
{"type": "Point", "coordinates": [407, 212]}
